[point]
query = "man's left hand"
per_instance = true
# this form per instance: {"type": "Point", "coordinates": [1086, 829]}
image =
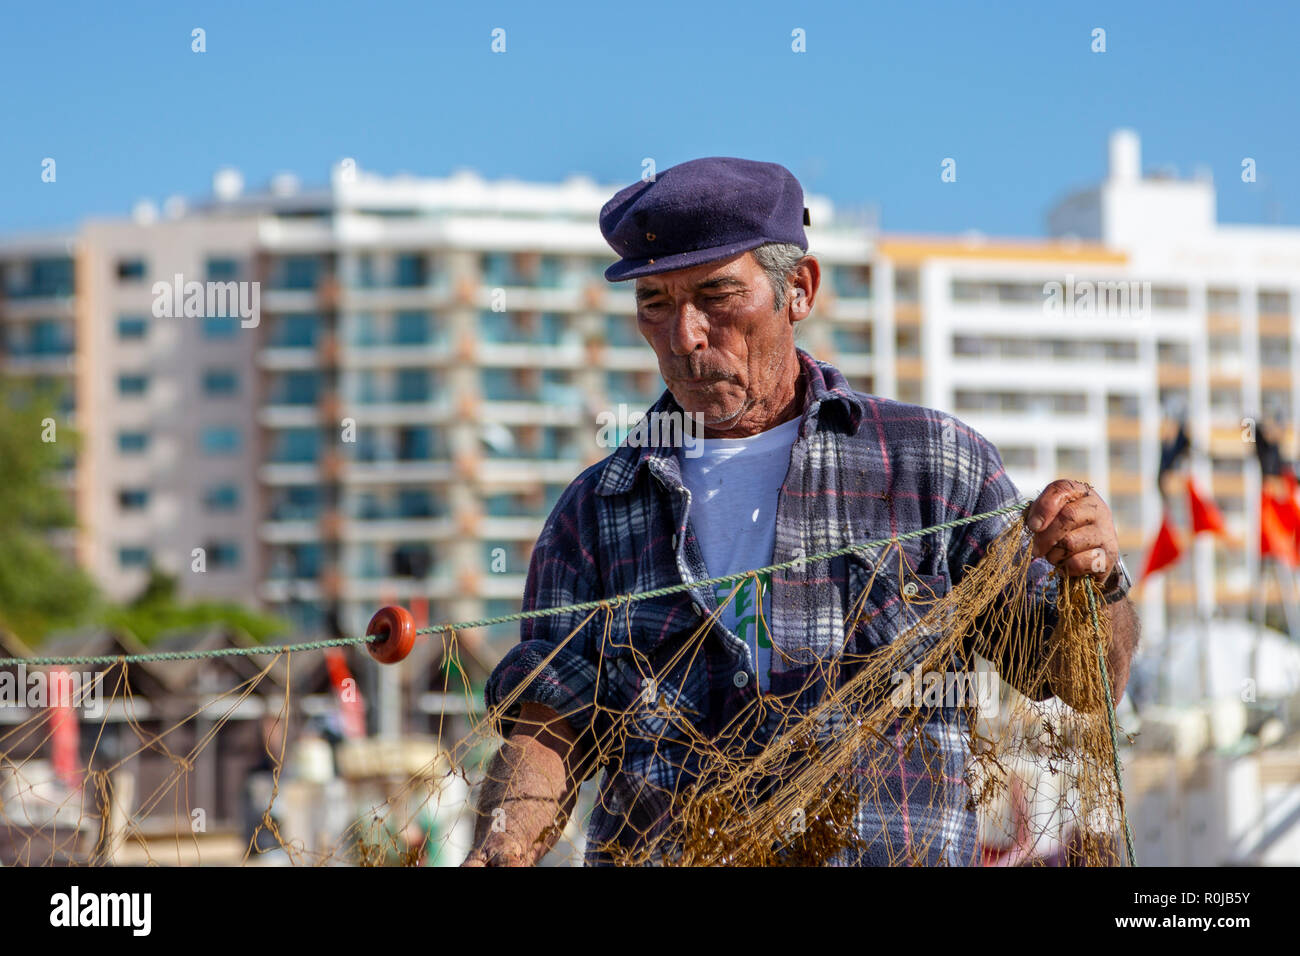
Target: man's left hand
{"type": "Point", "coordinates": [1073, 529]}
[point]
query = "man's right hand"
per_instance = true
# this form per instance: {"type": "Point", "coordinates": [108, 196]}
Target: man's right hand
{"type": "Point", "coordinates": [500, 849]}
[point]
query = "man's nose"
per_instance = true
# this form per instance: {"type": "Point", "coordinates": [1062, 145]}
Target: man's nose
{"type": "Point", "coordinates": [689, 331]}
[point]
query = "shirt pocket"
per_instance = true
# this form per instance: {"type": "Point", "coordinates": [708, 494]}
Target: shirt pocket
{"type": "Point", "coordinates": [654, 669]}
{"type": "Point", "coordinates": [886, 598]}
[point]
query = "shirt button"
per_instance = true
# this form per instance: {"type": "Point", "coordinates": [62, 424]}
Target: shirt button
{"type": "Point", "coordinates": [699, 612]}
{"type": "Point", "coordinates": [674, 542]}
{"type": "Point", "coordinates": [910, 589]}
{"type": "Point", "coordinates": [741, 679]}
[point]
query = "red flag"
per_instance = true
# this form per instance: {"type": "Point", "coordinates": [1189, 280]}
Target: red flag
{"type": "Point", "coordinates": [1205, 513]}
{"type": "Point", "coordinates": [65, 728]}
{"type": "Point", "coordinates": [1277, 530]}
{"type": "Point", "coordinates": [1292, 503]}
{"type": "Point", "coordinates": [351, 708]}
{"type": "Point", "coordinates": [1165, 550]}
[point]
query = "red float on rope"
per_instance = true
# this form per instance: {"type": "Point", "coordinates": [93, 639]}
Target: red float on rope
{"type": "Point", "coordinates": [393, 630]}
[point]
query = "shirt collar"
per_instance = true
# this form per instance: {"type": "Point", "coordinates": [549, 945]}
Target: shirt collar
{"type": "Point", "coordinates": [824, 385]}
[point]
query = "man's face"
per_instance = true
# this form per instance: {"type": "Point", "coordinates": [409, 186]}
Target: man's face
{"type": "Point", "coordinates": [723, 348]}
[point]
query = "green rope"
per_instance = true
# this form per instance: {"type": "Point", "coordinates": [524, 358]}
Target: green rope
{"type": "Point", "coordinates": [1090, 587]}
{"type": "Point", "coordinates": [610, 603]}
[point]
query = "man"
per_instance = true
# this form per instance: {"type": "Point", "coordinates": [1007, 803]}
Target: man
{"type": "Point", "coordinates": [794, 463]}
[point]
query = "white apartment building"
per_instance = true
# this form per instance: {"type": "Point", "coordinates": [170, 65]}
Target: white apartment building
{"type": "Point", "coordinates": [963, 324]}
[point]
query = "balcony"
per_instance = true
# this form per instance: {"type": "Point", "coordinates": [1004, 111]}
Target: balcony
{"type": "Point", "coordinates": [907, 313]}
{"type": "Point", "coordinates": [1169, 375]}
{"type": "Point", "coordinates": [1275, 324]}
{"type": "Point", "coordinates": [852, 339]}
{"type": "Point", "coordinates": [1123, 427]}
{"type": "Point", "coordinates": [851, 282]}
{"type": "Point", "coordinates": [40, 361]}
{"type": "Point", "coordinates": [52, 278]}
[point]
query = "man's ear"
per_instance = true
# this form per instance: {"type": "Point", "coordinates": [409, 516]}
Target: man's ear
{"type": "Point", "coordinates": [797, 300]}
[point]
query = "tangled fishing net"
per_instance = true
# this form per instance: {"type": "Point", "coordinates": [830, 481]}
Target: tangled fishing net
{"type": "Point", "coordinates": [1038, 778]}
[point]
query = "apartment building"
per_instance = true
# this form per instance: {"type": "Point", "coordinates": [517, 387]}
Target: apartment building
{"type": "Point", "coordinates": [1075, 354]}
{"type": "Point", "coordinates": [431, 355]}
{"type": "Point", "coordinates": [424, 377]}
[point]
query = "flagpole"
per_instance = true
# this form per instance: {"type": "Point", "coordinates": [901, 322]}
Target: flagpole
{"type": "Point", "coordinates": [1286, 585]}
{"type": "Point", "coordinates": [1254, 479]}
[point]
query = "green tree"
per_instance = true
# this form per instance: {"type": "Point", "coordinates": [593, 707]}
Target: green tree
{"type": "Point", "coordinates": [40, 589]}
{"type": "Point", "coordinates": [156, 610]}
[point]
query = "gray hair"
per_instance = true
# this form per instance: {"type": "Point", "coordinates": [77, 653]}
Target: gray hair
{"type": "Point", "coordinates": [778, 260]}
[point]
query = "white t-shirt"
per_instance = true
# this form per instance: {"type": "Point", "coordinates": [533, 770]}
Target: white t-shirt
{"type": "Point", "coordinates": [735, 484]}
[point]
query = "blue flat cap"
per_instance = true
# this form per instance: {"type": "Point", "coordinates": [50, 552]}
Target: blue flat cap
{"type": "Point", "coordinates": [701, 211]}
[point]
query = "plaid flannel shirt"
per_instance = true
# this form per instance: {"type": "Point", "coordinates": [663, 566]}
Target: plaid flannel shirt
{"type": "Point", "coordinates": [862, 468]}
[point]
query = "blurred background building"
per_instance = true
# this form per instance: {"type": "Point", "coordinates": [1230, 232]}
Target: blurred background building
{"type": "Point", "coordinates": [431, 355]}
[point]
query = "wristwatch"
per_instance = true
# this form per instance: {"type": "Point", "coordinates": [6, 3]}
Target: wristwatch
{"type": "Point", "coordinates": [1117, 584]}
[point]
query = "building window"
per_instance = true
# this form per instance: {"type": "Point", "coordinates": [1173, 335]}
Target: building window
{"type": "Point", "coordinates": [1127, 510]}
{"type": "Point", "coordinates": [413, 385]}
{"type": "Point", "coordinates": [415, 443]}
{"type": "Point", "coordinates": [223, 497]}
{"type": "Point", "coordinates": [1125, 456]}
{"type": "Point", "coordinates": [1274, 303]}
{"type": "Point", "coordinates": [415, 503]}
{"type": "Point", "coordinates": [295, 445]}
{"type": "Point", "coordinates": [133, 557]}
{"type": "Point", "coordinates": [1221, 300]}
{"type": "Point", "coordinates": [411, 560]}
{"type": "Point", "coordinates": [295, 330]}
{"type": "Point", "coordinates": [1121, 405]}
{"type": "Point", "coordinates": [365, 274]}
{"type": "Point", "coordinates": [1072, 462]}
{"type": "Point", "coordinates": [132, 327]}
{"type": "Point", "coordinates": [1172, 353]}
{"type": "Point", "coordinates": [852, 282]}
{"type": "Point", "coordinates": [39, 278]}
{"type": "Point", "coordinates": [1276, 403]}
{"type": "Point", "coordinates": [1225, 402]}
{"type": "Point", "coordinates": [295, 561]}
{"type": "Point", "coordinates": [411, 328]}
{"type": "Point", "coordinates": [410, 271]}
{"type": "Point", "coordinates": [220, 382]}
{"type": "Point", "coordinates": [220, 326]}
{"type": "Point", "coordinates": [1169, 297]}
{"type": "Point", "coordinates": [294, 388]}
{"type": "Point", "coordinates": [221, 555]}
{"type": "Point", "coordinates": [908, 342]}
{"type": "Point", "coordinates": [907, 285]}
{"type": "Point", "coordinates": [621, 331]}
{"type": "Point", "coordinates": [297, 272]}
{"type": "Point", "coordinates": [295, 503]}
{"type": "Point", "coordinates": [1019, 457]}
{"type": "Point", "coordinates": [219, 440]}
{"type": "Point", "coordinates": [852, 339]}
{"type": "Point", "coordinates": [45, 337]}
{"type": "Point", "coordinates": [130, 270]}
{"type": "Point", "coordinates": [222, 269]}
{"type": "Point", "coordinates": [1274, 351]}
{"type": "Point", "coordinates": [132, 443]}
{"type": "Point", "coordinates": [133, 499]}
{"type": "Point", "coordinates": [132, 385]}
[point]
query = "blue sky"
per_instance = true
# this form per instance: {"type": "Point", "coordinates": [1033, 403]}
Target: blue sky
{"type": "Point", "coordinates": [883, 94]}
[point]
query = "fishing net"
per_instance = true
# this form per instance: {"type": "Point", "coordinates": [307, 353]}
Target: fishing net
{"type": "Point", "coordinates": [970, 736]}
